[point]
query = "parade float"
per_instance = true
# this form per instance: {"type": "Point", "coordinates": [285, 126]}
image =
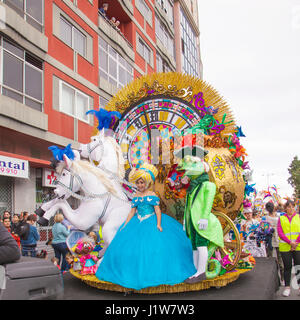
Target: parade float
{"type": "Point", "coordinates": [151, 120]}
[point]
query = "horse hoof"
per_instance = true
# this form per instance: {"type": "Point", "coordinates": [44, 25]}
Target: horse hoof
{"type": "Point", "coordinates": [40, 212]}
{"type": "Point", "coordinates": [43, 222]}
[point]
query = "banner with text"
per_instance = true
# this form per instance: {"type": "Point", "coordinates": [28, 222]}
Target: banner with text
{"type": "Point", "coordinates": [14, 167]}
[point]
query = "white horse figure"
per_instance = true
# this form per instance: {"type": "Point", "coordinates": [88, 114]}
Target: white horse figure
{"type": "Point", "coordinates": [107, 152]}
{"type": "Point", "coordinates": [103, 200]}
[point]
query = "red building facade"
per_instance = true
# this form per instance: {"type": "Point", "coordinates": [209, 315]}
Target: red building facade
{"type": "Point", "coordinates": [62, 58]}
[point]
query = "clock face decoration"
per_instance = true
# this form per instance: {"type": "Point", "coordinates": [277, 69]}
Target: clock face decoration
{"type": "Point", "coordinates": [155, 115]}
{"type": "Point", "coordinates": [156, 110]}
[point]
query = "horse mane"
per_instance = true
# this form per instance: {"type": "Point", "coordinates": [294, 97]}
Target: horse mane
{"type": "Point", "coordinates": [119, 153]}
{"type": "Point", "coordinates": [79, 165]}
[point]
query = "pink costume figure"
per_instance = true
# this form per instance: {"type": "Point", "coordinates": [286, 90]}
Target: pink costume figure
{"type": "Point", "coordinates": [88, 261]}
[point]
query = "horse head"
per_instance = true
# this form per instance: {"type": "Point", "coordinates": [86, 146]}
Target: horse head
{"type": "Point", "coordinates": [94, 151]}
{"type": "Point", "coordinates": [106, 151]}
{"type": "Point", "coordinates": [82, 175]}
{"type": "Point", "coordinates": [66, 184]}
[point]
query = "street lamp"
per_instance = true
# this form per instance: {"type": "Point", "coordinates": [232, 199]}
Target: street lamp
{"type": "Point", "coordinates": [268, 175]}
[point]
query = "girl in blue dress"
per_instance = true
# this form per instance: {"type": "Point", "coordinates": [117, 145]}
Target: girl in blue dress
{"type": "Point", "coordinates": [150, 248]}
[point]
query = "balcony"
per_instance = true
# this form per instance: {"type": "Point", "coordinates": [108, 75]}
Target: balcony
{"type": "Point", "coordinates": [121, 9]}
{"type": "Point", "coordinates": [116, 35]}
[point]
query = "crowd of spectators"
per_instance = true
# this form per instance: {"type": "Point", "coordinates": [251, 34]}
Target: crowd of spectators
{"type": "Point", "coordinates": [23, 230]}
{"type": "Point", "coordinates": [23, 236]}
{"type": "Point", "coordinates": [282, 238]}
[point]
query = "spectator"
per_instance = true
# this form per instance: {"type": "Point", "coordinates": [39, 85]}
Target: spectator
{"type": "Point", "coordinates": [15, 223]}
{"type": "Point", "coordinates": [7, 225]}
{"type": "Point", "coordinates": [9, 250]}
{"type": "Point", "coordinates": [272, 219]}
{"type": "Point", "coordinates": [23, 228]}
{"type": "Point", "coordinates": [24, 216]}
{"type": "Point", "coordinates": [6, 214]}
{"type": "Point", "coordinates": [248, 224]}
{"type": "Point", "coordinates": [29, 244]}
{"type": "Point", "coordinates": [60, 234]}
{"type": "Point", "coordinates": [115, 22]}
{"type": "Point", "coordinates": [104, 9]}
{"type": "Point", "coordinates": [289, 233]}
{"type": "Point", "coordinates": [117, 25]}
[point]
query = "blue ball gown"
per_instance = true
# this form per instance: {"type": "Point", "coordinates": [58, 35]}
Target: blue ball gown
{"type": "Point", "coordinates": [141, 256]}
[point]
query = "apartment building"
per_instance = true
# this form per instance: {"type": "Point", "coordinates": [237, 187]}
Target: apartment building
{"type": "Point", "coordinates": [61, 58]}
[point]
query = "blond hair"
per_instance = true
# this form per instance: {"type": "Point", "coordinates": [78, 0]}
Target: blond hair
{"type": "Point", "coordinates": [146, 171]}
{"type": "Point", "coordinates": [59, 217]}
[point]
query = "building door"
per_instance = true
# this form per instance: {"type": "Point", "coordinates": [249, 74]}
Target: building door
{"type": "Point", "coordinates": [6, 190]}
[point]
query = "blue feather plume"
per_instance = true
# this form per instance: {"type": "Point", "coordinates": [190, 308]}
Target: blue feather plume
{"type": "Point", "coordinates": [105, 118]}
{"type": "Point", "coordinates": [58, 153]}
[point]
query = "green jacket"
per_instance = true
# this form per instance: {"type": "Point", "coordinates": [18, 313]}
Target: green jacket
{"type": "Point", "coordinates": [198, 206]}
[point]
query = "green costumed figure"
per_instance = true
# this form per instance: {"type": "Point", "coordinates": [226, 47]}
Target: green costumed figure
{"type": "Point", "coordinates": [202, 227]}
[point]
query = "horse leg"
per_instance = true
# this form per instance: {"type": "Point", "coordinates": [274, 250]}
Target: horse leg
{"type": "Point", "coordinates": [50, 209]}
{"type": "Point", "coordinates": [45, 207]}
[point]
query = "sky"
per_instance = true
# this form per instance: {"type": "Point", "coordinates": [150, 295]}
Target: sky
{"type": "Point", "coordinates": [250, 52]}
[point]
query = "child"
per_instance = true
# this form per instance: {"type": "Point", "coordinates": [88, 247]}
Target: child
{"type": "Point", "coordinates": [150, 248]}
{"type": "Point", "coordinates": [70, 259]}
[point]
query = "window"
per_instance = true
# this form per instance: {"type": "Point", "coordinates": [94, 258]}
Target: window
{"type": "Point", "coordinates": [103, 102]}
{"type": "Point", "coordinates": [163, 36]}
{"type": "Point", "coordinates": [167, 8]}
{"type": "Point", "coordinates": [31, 10]}
{"type": "Point", "coordinates": [144, 10]}
{"type": "Point", "coordinates": [72, 37]}
{"type": "Point", "coordinates": [22, 75]}
{"type": "Point", "coordinates": [161, 64]}
{"type": "Point", "coordinates": [73, 102]}
{"type": "Point", "coordinates": [144, 51]}
{"type": "Point", "coordinates": [189, 55]}
{"type": "Point", "coordinates": [113, 67]}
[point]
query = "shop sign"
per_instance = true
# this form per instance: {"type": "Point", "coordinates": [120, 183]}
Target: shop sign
{"type": "Point", "coordinates": [49, 176]}
{"type": "Point", "coordinates": [13, 167]}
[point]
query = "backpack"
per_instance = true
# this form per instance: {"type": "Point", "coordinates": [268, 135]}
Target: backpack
{"type": "Point", "coordinates": [23, 230]}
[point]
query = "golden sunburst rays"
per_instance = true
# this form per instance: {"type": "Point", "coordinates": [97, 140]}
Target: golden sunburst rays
{"type": "Point", "coordinates": [172, 84]}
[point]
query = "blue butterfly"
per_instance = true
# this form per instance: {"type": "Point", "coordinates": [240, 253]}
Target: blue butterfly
{"type": "Point", "coordinates": [239, 132]}
{"type": "Point", "coordinates": [249, 188]}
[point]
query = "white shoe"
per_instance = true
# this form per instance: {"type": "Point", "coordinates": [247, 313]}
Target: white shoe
{"type": "Point", "coordinates": [286, 292]}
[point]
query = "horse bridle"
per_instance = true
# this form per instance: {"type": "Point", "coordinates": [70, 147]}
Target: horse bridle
{"type": "Point", "coordinates": [91, 149]}
{"type": "Point", "coordinates": [74, 176]}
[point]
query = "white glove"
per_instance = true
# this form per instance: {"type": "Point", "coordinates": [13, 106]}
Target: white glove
{"type": "Point", "coordinates": [183, 225]}
{"type": "Point", "coordinates": [202, 224]}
